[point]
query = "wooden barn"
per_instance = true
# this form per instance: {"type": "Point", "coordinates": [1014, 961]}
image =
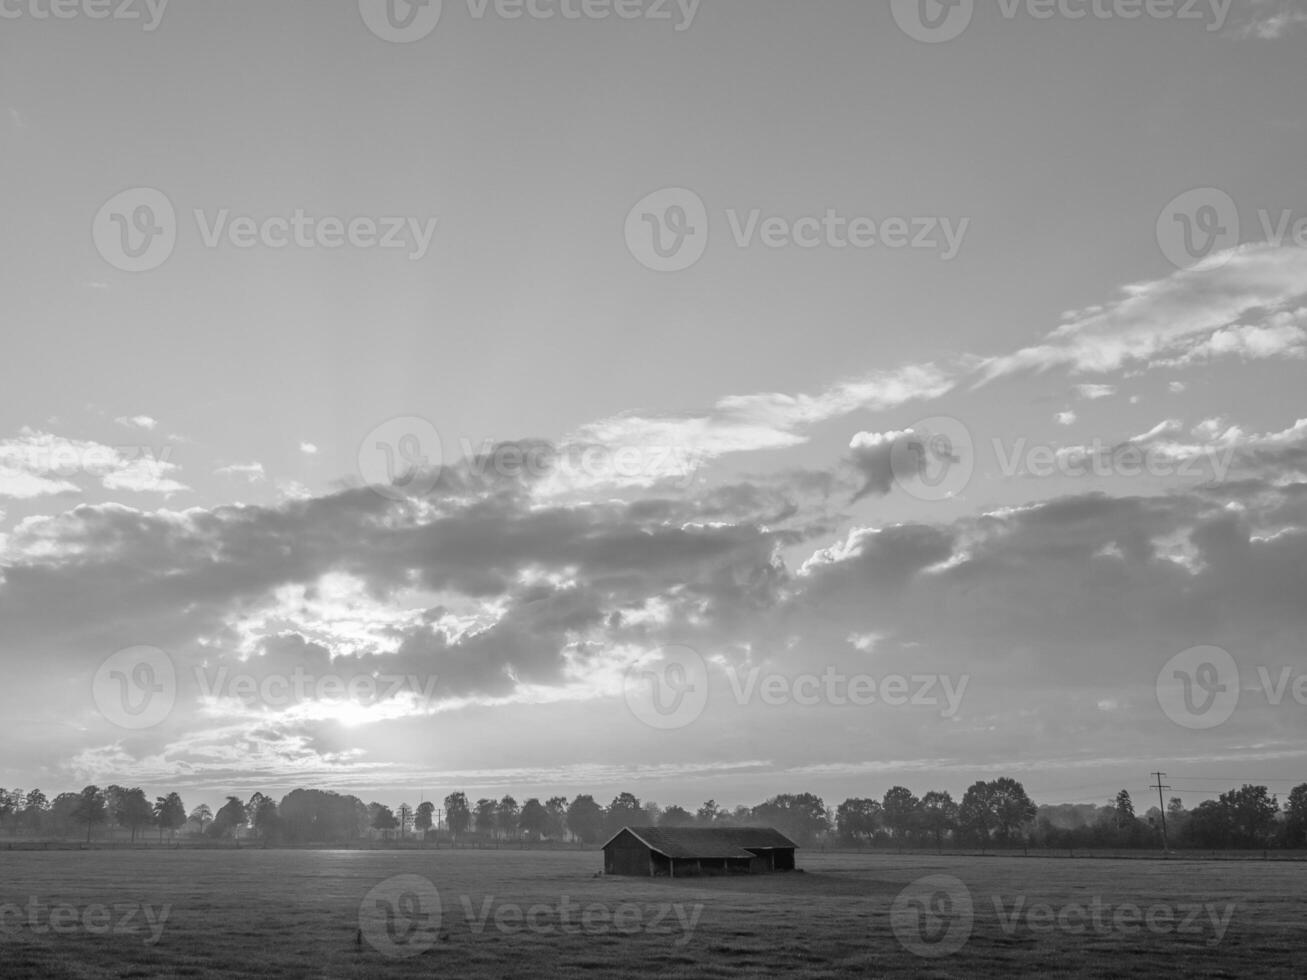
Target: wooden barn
{"type": "Point", "coordinates": [683, 851]}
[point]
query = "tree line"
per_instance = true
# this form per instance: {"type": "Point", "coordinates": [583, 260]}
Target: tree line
{"type": "Point", "coordinates": [998, 813]}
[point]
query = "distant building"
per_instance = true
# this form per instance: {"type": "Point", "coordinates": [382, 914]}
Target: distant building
{"type": "Point", "coordinates": [683, 851]}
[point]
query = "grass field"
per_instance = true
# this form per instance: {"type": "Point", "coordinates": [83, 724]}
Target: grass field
{"type": "Point", "coordinates": [517, 913]}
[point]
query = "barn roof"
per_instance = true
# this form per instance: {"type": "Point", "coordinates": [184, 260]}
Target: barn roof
{"type": "Point", "coordinates": [707, 842]}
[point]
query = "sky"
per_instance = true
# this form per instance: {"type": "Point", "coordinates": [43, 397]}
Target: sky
{"type": "Point", "coordinates": [706, 400]}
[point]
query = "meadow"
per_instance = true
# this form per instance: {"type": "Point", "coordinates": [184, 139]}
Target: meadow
{"type": "Point", "coordinates": [526, 913]}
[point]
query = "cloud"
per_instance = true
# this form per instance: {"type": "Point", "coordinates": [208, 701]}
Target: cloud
{"type": "Point", "coordinates": [1154, 317]}
{"type": "Point", "coordinates": [143, 422]}
{"type": "Point", "coordinates": [37, 463]}
{"type": "Point", "coordinates": [1090, 392]}
{"type": "Point", "coordinates": [1066, 418]}
{"type": "Point", "coordinates": [872, 456]}
{"type": "Point", "coordinates": [749, 423]}
{"type": "Point", "coordinates": [251, 472]}
{"type": "Point", "coordinates": [1282, 336]}
{"type": "Point", "coordinates": [1271, 19]}
{"type": "Point", "coordinates": [308, 449]}
{"type": "Point", "coordinates": [521, 611]}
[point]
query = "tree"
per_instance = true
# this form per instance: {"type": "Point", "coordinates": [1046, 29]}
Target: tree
{"type": "Point", "coordinates": [857, 820]}
{"type": "Point", "coordinates": [229, 818]}
{"type": "Point", "coordinates": [1295, 814]}
{"type": "Point", "coordinates": [134, 810]}
{"type": "Point", "coordinates": [169, 814]}
{"type": "Point", "coordinates": [1011, 807]}
{"type": "Point", "coordinates": [534, 819]}
{"type": "Point", "coordinates": [263, 815]}
{"type": "Point", "coordinates": [113, 802]}
{"type": "Point", "coordinates": [485, 816]}
{"type": "Point", "coordinates": [506, 814]}
{"type": "Point", "coordinates": [321, 816]}
{"type": "Point", "coordinates": [458, 816]}
{"type": "Point", "coordinates": [405, 815]}
{"type": "Point", "coordinates": [939, 815]}
{"type": "Point", "coordinates": [801, 817]}
{"type": "Point", "coordinates": [675, 816]}
{"type": "Point", "coordinates": [556, 810]}
{"type": "Point", "coordinates": [1210, 825]}
{"type": "Point", "coordinates": [383, 819]}
{"type": "Point", "coordinates": [90, 809]}
{"type": "Point", "coordinates": [8, 805]}
{"type": "Point", "coordinates": [61, 812]}
{"type": "Point", "coordinates": [1125, 809]}
{"type": "Point", "coordinates": [976, 812]}
{"type": "Point", "coordinates": [35, 806]}
{"type": "Point", "coordinates": [424, 818]}
{"type": "Point", "coordinates": [585, 819]}
{"type": "Point", "coordinates": [707, 814]}
{"type": "Point", "coordinates": [624, 811]}
{"type": "Point", "coordinates": [901, 812]}
{"type": "Point", "coordinates": [1252, 812]}
{"type": "Point", "coordinates": [202, 815]}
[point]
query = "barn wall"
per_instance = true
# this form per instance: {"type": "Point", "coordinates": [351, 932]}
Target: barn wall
{"type": "Point", "coordinates": [626, 856]}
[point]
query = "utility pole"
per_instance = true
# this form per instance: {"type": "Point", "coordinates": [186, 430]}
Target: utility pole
{"type": "Point", "coordinates": [1162, 803]}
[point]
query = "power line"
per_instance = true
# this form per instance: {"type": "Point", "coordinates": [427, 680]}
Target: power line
{"type": "Point", "coordinates": [1162, 806]}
